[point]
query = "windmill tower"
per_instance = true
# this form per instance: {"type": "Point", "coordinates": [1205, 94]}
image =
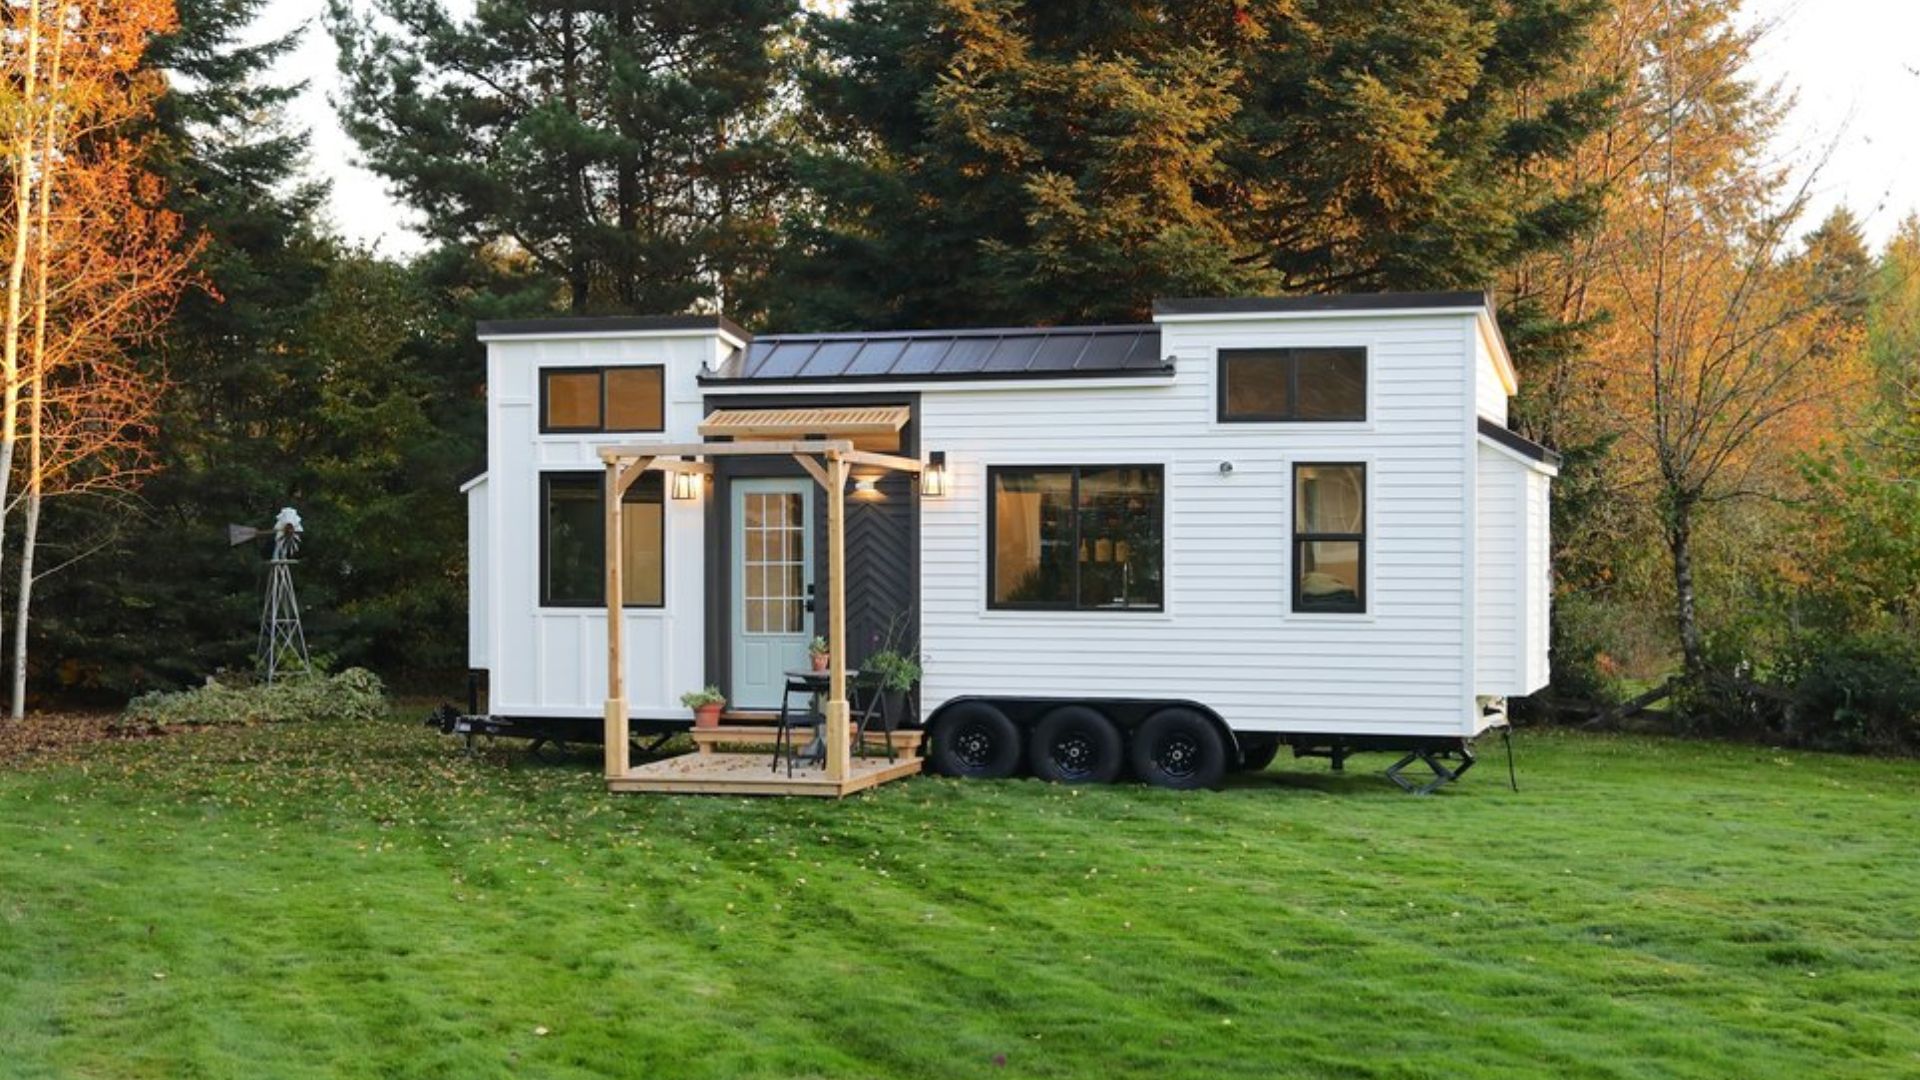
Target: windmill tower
{"type": "Point", "coordinates": [283, 642]}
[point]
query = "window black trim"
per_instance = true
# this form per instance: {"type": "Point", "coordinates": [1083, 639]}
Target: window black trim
{"type": "Point", "coordinates": [1290, 356]}
{"type": "Point", "coordinates": [652, 479]}
{"type": "Point", "coordinates": [1300, 539]}
{"type": "Point", "coordinates": [600, 425]}
{"type": "Point", "coordinates": [993, 534]}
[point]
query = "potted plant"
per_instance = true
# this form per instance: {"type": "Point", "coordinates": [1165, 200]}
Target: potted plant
{"type": "Point", "coordinates": [706, 705]}
{"type": "Point", "coordinates": [897, 673]}
{"type": "Point", "coordinates": [818, 653]}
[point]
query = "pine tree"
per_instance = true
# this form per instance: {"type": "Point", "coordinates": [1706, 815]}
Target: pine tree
{"type": "Point", "coordinates": [1001, 160]}
{"type": "Point", "coordinates": [616, 143]}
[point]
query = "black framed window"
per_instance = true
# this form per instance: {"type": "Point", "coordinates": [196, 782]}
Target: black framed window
{"type": "Point", "coordinates": [1281, 385]}
{"type": "Point", "coordinates": [1076, 538]}
{"type": "Point", "coordinates": [1330, 537]}
{"type": "Point", "coordinates": [573, 541]}
{"type": "Point", "coordinates": [593, 399]}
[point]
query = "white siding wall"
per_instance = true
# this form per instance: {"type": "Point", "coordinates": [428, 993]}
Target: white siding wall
{"type": "Point", "coordinates": [1490, 395]}
{"type": "Point", "coordinates": [1539, 580]}
{"type": "Point", "coordinates": [552, 661]}
{"type": "Point", "coordinates": [1227, 638]}
{"type": "Point", "coordinates": [1498, 573]}
{"type": "Point", "coordinates": [479, 576]}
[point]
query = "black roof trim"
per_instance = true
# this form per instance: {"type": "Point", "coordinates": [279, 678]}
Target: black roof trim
{"type": "Point", "coordinates": [967, 332]}
{"type": "Point", "coordinates": [614, 324]}
{"type": "Point", "coordinates": [1282, 305]}
{"type": "Point", "coordinates": [1519, 443]}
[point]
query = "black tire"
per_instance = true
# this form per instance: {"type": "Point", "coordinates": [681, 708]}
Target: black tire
{"type": "Point", "coordinates": [1179, 748]}
{"type": "Point", "coordinates": [1257, 752]}
{"type": "Point", "coordinates": [975, 740]}
{"type": "Point", "coordinates": [1076, 745]}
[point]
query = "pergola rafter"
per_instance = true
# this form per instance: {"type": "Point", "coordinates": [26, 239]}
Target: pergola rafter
{"type": "Point", "coordinates": [829, 462]}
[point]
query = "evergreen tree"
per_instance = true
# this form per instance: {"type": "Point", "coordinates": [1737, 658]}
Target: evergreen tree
{"type": "Point", "coordinates": [160, 599]}
{"type": "Point", "coordinates": [617, 143]}
{"type": "Point", "coordinates": [1005, 160]}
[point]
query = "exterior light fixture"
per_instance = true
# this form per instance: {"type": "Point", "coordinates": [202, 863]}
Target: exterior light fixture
{"type": "Point", "coordinates": [933, 478]}
{"type": "Point", "coordinates": [866, 485]}
{"type": "Point", "coordinates": [686, 485]}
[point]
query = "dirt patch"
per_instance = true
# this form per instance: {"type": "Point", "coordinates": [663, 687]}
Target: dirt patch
{"type": "Point", "coordinates": [46, 734]}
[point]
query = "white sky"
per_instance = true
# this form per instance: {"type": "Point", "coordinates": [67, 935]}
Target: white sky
{"type": "Point", "coordinates": [1854, 64]}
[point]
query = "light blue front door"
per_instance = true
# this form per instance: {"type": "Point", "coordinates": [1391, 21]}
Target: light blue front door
{"type": "Point", "coordinates": [772, 586]}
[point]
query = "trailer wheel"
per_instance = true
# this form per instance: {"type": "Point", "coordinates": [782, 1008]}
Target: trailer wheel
{"type": "Point", "coordinates": [1257, 752]}
{"type": "Point", "coordinates": [1179, 748]}
{"type": "Point", "coordinates": [1076, 745]}
{"type": "Point", "coordinates": [975, 740]}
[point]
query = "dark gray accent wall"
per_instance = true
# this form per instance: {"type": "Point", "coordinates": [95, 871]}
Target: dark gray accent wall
{"type": "Point", "coordinates": [883, 539]}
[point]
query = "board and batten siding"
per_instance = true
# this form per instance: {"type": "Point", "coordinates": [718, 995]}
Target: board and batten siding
{"type": "Point", "coordinates": [1227, 637]}
{"type": "Point", "coordinates": [552, 661]}
{"type": "Point", "coordinates": [479, 592]}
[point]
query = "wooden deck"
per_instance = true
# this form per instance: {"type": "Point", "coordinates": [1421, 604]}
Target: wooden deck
{"type": "Point", "coordinates": [750, 774]}
{"type": "Point", "coordinates": [708, 740]}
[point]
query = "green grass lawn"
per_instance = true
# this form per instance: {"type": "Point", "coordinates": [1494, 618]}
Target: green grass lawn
{"type": "Point", "coordinates": [366, 901]}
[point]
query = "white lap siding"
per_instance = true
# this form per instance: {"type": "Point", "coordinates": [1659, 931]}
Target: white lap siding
{"type": "Point", "coordinates": [1539, 582]}
{"type": "Point", "coordinates": [1228, 638]}
{"type": "Point", "coordinates": [1500, 560]}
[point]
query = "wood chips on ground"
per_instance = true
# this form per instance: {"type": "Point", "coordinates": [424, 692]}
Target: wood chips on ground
{"type": "Point", "coordinates": [51, 733]}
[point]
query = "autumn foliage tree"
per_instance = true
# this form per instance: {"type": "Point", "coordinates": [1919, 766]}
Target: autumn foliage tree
{"type": "Point", "coordinates": [95, 263]}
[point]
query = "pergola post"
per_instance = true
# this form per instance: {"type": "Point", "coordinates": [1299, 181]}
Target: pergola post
{"type": "Point", "coordinates": [838, 734]}
{"type": "Point", "coordinates": [620, 477]}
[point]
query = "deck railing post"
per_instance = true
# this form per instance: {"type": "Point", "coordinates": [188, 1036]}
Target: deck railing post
{"type": "Point", "coordinates": [837, 711]}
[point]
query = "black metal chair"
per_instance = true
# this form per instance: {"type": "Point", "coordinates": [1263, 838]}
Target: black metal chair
{"type": "Point", "coordinates": [811, 720]}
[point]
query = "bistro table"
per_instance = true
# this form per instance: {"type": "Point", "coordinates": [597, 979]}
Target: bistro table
{"type": "Point", "coordinates": [817, 684]}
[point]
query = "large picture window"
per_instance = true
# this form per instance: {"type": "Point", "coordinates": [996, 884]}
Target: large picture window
{"type": "Point", "coordinates": [1076, 538]}
{"type": "Point", "coordinates": [603, 399]}
{"type": "Point", "coordinates": [573, 541]}
{"type": "Point", "coordinates": [1330, 537]}
{"type": "Point", "coordinates": [1307, 384]}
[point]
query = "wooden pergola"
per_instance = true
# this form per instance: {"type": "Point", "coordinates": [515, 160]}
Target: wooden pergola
{"type": "Point", "coordinates": [829, 461]}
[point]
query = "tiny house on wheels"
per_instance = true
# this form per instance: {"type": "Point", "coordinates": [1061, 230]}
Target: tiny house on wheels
{"type": "Point", "coordinates": [1165, 550]}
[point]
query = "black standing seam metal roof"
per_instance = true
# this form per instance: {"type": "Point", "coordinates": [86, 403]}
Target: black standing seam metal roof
{"type": "Point", "coordinates": [922, 355]}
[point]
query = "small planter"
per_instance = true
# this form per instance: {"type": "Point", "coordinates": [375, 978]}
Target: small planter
{"type": "Point", "coordinates": [820, 660]}
{"type": "Point", "coordinates": [893, 708]}
{"type": "Point", "coordinates": [707, 716]}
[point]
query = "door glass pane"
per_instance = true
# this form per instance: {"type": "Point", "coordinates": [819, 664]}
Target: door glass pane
{"type": "Point", "coordinates": [1119, 538]}
{"type": "Point", "coordinates": [573, 399]}
{"type": "Point", "coordinates": [1329, 575]}
{"type": "Point", "coordinates": [1333, 384]}
{"type": "Point", "coordinates": [1256, 384]}
{"type": "Point", "coordinates": [1329, 499]}
{"type": "Point", "coordinates": [635, 399]}
{"type": "Point", "coordinates": [774, 558]}
{"type": "Point", "coordinates": [575, 541]}
{"type": "Point", "coordinates": [1033, 552]}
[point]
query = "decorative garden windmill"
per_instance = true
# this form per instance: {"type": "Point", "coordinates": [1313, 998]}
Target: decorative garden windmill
{"type": "Point", "coordinates": [282, 640]}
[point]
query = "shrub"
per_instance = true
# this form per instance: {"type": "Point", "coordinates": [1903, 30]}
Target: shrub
{"type": "Point", "coordinates": [1857, 691]}
{"type": "Point", "coordinates": [354, 694]}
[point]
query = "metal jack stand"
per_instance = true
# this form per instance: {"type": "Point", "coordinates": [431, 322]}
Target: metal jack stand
{"type": "Point", "coordinates": [1437, 760]}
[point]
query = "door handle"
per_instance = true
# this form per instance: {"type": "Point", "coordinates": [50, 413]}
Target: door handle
{"type": "Point", "coordinates": [809, 599]}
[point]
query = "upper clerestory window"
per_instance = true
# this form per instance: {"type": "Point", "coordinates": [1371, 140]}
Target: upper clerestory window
{"type": "Point", "coordinates": [593, 399]}
{"type": "Point", "coordinates": [1293, 385]}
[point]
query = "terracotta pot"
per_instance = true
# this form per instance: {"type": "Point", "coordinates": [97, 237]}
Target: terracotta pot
{"type": "Point", "coordinates": [707, 716]}
{"type": "Point", "coordinates": [820, 660]}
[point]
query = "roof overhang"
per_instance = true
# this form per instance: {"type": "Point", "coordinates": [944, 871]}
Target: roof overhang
{"type": "Point", "coordinates": [867, 427]}
{"type": "Point", "coordinates": [634, 326]}
{"type": "Point", "coordinates": [1519, 447]}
